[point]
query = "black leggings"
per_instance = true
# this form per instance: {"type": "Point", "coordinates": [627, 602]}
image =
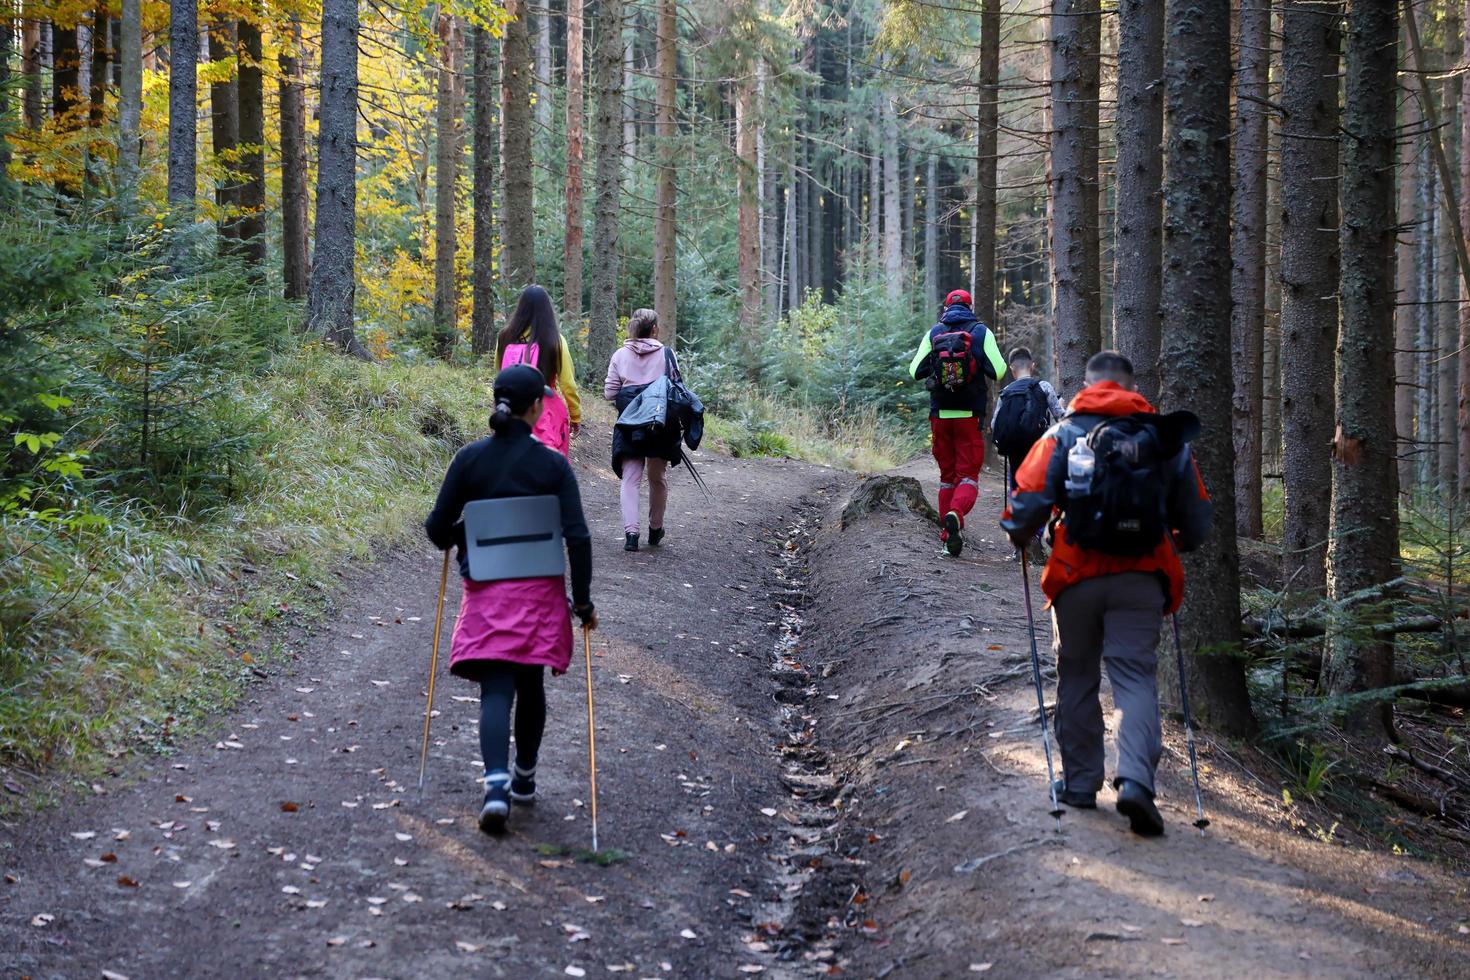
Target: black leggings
{"type": "Point", "coordinates": [500, 684]}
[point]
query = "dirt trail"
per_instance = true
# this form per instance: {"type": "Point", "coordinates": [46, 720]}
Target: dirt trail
{"type": "Point", "coordinates": [930, 706]}
{"type": "Point", "coordinates": [191, 866]}
{"type": "Point", "coordinates": [800, 739]}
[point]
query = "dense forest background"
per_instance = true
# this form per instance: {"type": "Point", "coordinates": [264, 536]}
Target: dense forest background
{"type": "Point", "coordinates": [205, 206]}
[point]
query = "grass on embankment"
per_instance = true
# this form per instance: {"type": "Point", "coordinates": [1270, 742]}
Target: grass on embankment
{"type": "Point", "coordinates": [110, 631]}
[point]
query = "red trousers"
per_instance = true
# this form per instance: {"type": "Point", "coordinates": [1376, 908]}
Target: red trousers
{"type": "Point", "coordinates": [959, 449]}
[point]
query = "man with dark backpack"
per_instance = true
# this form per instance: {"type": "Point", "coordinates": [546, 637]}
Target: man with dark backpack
{"type": "Point", "coordinates": [1123, 496]}
{"type": "Point", "coordinates": [1026, 408]}
{"type": "Point", "coordinates": [954, 360]}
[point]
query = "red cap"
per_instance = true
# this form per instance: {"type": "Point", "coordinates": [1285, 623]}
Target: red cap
{"type": "Point", "coordinates": [958, 297]}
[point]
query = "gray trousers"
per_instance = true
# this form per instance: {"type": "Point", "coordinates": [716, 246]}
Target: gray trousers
{"type": "Point", "coordinates": [1113, 620]}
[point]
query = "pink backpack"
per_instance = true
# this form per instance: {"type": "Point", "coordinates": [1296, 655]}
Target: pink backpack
{"type": "Point", "coordinates": [555, 426]}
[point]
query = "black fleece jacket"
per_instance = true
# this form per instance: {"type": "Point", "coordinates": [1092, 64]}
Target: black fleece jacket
{"type": "Point", "coordinates": [478, 472]}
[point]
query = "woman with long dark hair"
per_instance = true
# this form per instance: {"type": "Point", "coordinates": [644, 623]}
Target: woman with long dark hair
{"type": "Point", "coordinates": [531, 337]}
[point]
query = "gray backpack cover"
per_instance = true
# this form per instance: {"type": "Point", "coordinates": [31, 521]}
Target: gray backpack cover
{"type": "Point", "coordinates": [514, 537]}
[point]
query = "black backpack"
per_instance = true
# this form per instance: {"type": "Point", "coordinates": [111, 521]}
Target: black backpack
{"type": "Point", "coordinates": [953, 361]}
{"type": "Point", "coordinates": [1023, 417]}
{"type": "Point", "coordinates": [1123, 508]}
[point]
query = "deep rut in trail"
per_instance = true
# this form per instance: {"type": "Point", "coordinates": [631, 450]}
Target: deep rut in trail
{"type": "Point", "coordinates": [794, 941]}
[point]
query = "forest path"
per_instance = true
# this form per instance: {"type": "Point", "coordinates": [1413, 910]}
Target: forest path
{"type": "Point", "coordinates": [789, 716]}
{"type": "Point", "coordinates": [191, 865]}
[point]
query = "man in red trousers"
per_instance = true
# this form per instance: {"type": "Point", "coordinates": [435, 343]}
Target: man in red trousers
{"type": "Point", "coordinates": [955, 359]}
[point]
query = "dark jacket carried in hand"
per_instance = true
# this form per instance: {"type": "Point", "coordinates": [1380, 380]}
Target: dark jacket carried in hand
{"type": "Point", "coordinates": [968, 401]}
{"type": "Point", "coordinates": [1041, 493]}
{"type": "Point", "coordinates": [513, 464]}
{"type": "Point", "coordinates": [657, 419]}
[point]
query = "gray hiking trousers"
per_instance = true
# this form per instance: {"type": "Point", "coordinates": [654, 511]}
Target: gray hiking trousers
{"type": "Point", "coordinates": [1113, 620]}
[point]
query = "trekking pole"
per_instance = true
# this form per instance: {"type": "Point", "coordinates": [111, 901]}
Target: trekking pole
{"type": "Point", "coordinates": [591, 732]}
{"type": "Point", "coordinates": [1201, 820]}
{"type": "Point", "coordinates": [1051, 780]}
{"type": "Point", "coordinates": [433, 670]}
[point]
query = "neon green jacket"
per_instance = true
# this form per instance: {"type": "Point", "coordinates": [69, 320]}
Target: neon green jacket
{"type": "Point", "coordinates": [969, 402]}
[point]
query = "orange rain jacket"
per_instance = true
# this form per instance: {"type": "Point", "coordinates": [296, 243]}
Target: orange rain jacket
{"type": "Point", "coordinates": [1040, 494]}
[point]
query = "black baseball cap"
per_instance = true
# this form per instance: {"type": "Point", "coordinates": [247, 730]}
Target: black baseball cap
{"type": "Point", "coordinates": [520, 385]}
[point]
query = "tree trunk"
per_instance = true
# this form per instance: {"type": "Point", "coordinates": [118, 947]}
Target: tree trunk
{"type": "Point", "coordinates": [1140, 166]}
{"type": "Point", "coordinates": [875, 195]}
{"type": "Point", "coordinates": [183, 33]}
{"type": "Point", "coordinates": [295, 204]}
{"type": "Point", "coordinates": [33, 99]}
{"type": "Point", "coordinates": [1423, 447]}
{"type": "Point", "coordinates": [630, 120]}
{"type": "Point", "coordinates": [1309, 266]}
{"type": "Point", "coordinates": [1248, 258]}
{"type": "Point", "coordinates": [544, 70]}
{"type": "Point", "coordinates": [66, 95]}
{"type": "Point", "coordinates": [130, 97]}
{"type": "Point", "coordinates": [449, 117]}
{"type": "Point", "coordinates": [1196, 339]}
{"type": "Point", "coordinates": [1363, 548]}
{"type": "Point", "coordinates": [572, 246]}
{"type": "Point", "coordinates": [931, 238]}
{"type": "Point", "coordinates": [1463, 365]}
{"type": "Point", "coordinates": [251, 195]}
{"type": "Point", "coordinates": [100, 33]}
{"type": "Point", "coordinates": [665, 231]}
{"type": "Point", "coordinates": [7, 39]}
{"type": "Point", "coordinates": [224, 131]}
{"type": "Point", "coordinates": [1076, 34]}
{"type": "Point", "coordinates": [608, 132]}
{"type": "Point", "coordinates": [1449, 290]}
{"type": "Point", "coordinates": [1407, 312]}
{"type": "Point", "coordinates": [517, 220]}
{"type": "Point", "coordinates": [748, 222]}
{"type": "Point", "coordinates": [482, 320]}
{"type": "Point", "coordinates": [329, 299]}
{"type": "Point", "coordinates": [987, 160]}
{"type": "Point", "coordinates": [892, 228]}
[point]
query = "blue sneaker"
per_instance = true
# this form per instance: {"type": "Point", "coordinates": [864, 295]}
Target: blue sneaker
{"type": "Point", "coordinates": [523, 785]}
{"type": "Point", "coordinates": [497, 802]}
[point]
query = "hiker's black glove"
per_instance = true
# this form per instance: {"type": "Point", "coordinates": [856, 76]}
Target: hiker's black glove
{"type": "Point", "coordinates": [1020, 536]}
{"type": "Point", "coordinates": [587, 614]}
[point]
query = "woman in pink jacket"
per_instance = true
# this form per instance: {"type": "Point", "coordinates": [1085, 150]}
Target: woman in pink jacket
{"type": "Point", "coordinates": [641, 361]}
{"type": "Point", "coordinates": [509, 631]}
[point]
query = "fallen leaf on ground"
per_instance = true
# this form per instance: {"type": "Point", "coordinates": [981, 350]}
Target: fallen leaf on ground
{"type": "Point", "coordinates": [575, 971]}
{"type": "Point", "coordinates": [403, 837]}
{"type": "Point", "coordinates": [182, 884]}
{"type": "Point", "coordinates": [465, 947]}
{"type": "Point", "coordinates": [290, 890]}
{"type": "Point", "coordinates": [380, 683]}
{"type": "Point", "coordinates": [121, 834]}
{"type": "Point", "coordinates": [84, 834]}
{"type": "Point", "coordinates": [289, 807]}
{"type": "Point", "coordinates": [768, 811]}
{"type": "Point", "coordinates": [126, 882]}
{"type": "Point", "coordinates": [981, 967]}
{"type": "Point", "coordinates": [1128, 928]}
{"type": "Point", "coordinates": [688, 934]}
{"type": "Point", "coordinates": [42, 920]}
{"type": "Point", "coordinates": [316, 903]}
{"type": "Point", "coordinates": [411, 897]}
{"type": "Point", "coordinates": [113, 975]}
{"type": "Point", "coordinates": [1172, 941]}
{"type": "Point", "coordinates": [337, 941]}
{"type": "Point", "coordinates": [957, 817]}
{"type": "Point", "coordinates": [1191, 923]}
{"type": "Point", "coordinates": [222, 844]}
{"type": "Point", "coordinates": [752, 968]}
{"type": "Point", "coordinates": [305, 690]}
{"type": "Point", "coordinates": [498, 906]}
{"type": "Point", "coordinates": [384, 806]}
{"type": "Point", "coordinates": [1208, 897]}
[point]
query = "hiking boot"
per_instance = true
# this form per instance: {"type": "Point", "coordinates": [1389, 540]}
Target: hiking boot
{"type": "Point", "coordinates": [1137, 804]}
{"type": "Point", "coordinates": [1075, 798]}
{"type": "Point", "coordinates": [497, 802]}
{"type": "Point", "coordinates": [630, 541]}
{"type": "Point", "coordinates": [523, 785]}
{"type": "Point", "coordinates": [655, 535]}
{"type": "Point", "coordinates": [954, 541]}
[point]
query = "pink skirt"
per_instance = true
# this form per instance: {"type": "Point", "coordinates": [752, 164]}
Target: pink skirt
{"type": "Point", "coordinates": [519, 621]}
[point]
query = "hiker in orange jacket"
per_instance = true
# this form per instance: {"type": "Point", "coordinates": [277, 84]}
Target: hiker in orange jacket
{"type": "Point", "coordinates": [1111, 577]}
